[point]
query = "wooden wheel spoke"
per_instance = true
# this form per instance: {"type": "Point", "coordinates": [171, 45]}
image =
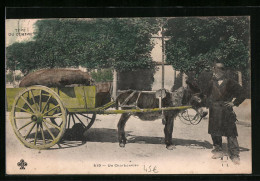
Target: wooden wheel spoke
{"type": "Point", "coordinates": [89, 123]}
{"type": "Point", "coordinates": [36, 133]}
{"type": "Point", "coordinates": [69, 122]}
{"type": "Point", "coordinates": [34, 100]}
{"type": "Point", "coordinates": [40, 100]}
{"type": "Point", "coordinates": [73, 118]}
{"type": "Point", "coordinates": [51, 109]}
{"type": "Point", "coordinates": [53, 138]}
{"type": "Point", "coordinates": [43, 137]}
{"type": "Point", "coordinates": [53, 125]}
{"type": "Point", "coordinates": [23, 117]}
{"type": "Point", "coordinates": [25, 125]}
{"type": "Point", "coordinates": [28, 103]}
{"type": "Point", "coordinates": [85, 116]}
{"type": "Point", "coordinates": [80, 120]}
{"type": "Point", "coordinates": [46, 103]}
{"type": "Point", "coordinates": [23, 109]}
{"type": "Point", "coordinates": [30, 130]}
{"type": "Point", "coordinates": [52, 116]}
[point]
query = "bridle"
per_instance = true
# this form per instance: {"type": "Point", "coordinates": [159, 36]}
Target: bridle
{"type": "Point", "coordinates": [185, 117]}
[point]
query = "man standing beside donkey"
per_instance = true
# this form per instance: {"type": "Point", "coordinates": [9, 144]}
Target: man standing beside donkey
{"type": "Point", "coordinates": [221, 91]}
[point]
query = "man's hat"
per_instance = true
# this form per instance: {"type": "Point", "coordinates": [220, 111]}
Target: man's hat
{"type": "Point", "coordinates": [219, 65]}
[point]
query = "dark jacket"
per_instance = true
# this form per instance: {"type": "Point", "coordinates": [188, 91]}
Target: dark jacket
{"type": "Point", "coordinates": [221, 118]}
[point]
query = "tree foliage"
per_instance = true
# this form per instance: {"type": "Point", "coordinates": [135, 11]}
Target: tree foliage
{"type": "Point", "coordinates": [10, 77]}
{"type": "Point", "coordinates": [125, 44]}
{"type": "Point", "coordinates": [139, 79]}
{"type": "Point", "coordinates": [104, 75]}
{"type": "Point", "coordinates": [195, 43]}
{"type": "Point", "coordinates": [122, 44]}
{"type": "Point", "coordinates": [20, 56]}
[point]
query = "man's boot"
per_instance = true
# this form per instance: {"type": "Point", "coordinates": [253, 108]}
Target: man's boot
{"type": "Point", "coordinates": [233, 149]}
{"type": "Point", "coordinates": [235, 159]}
{"type": "Point", "coordinates": [217, 152]}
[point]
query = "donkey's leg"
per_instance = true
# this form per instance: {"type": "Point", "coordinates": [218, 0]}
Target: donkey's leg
{"type": "Point", "coordinates": [168, 131]}
{"type": "Point", "coordinates": [121, 129]}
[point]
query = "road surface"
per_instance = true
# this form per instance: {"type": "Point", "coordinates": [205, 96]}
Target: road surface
{"type": "Point", "coordinates": [145, 152]}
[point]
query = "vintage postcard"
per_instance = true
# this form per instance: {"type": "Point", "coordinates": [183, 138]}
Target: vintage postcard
{"type": "Point", "coordinates": [166, 95]}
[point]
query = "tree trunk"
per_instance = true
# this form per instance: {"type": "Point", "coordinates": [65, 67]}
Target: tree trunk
{"type": "Point", "coordinates": [163, 57]}
{"type": "Point", "coordinates": [239, 78]}
{"type": "Point", "coordinates": [114, 94]}
{"type": "Point", "coordinates": [174, 76]}
{"type": "Point", "coordinates": [184, 78]}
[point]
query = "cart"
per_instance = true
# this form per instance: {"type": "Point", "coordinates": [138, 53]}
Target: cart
{"type": "Point", "coordinates": [40, 115]}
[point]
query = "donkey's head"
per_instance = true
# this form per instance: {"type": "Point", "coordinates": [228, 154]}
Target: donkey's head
{"type": "Point", "coordinates": [190, 95]}
{"type": "Point", "coordinates": [193, 96]}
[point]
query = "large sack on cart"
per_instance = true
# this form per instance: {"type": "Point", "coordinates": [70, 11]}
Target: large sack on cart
{"type": "Point", "coordinates": [58, 77]}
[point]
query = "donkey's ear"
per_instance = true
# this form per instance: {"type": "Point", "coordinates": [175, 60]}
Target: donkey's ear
{"type": "Point", "coordinates": [202, 95]}
{"type": "Point", "coordinates": [193, 86]}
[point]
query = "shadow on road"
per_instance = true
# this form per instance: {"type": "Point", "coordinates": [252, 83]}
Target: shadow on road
{"type": "Point", "coordinates": [104, 135]}
{"type": "Point", "coordinates": [71, 139]}
{"type": "Point", "coordinates": [110, 135]}
{"type": "Point", "coordinates": [64, 144]}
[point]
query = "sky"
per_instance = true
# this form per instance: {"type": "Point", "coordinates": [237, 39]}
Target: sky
{"type": "Point", "coordinates": [20, 30]}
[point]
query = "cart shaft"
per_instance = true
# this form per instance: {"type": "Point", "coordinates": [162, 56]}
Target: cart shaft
{"type": "Point", "coordinates": [141, 110]}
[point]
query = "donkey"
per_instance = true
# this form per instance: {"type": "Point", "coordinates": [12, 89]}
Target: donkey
{"type": "Point", "coordinates": [191, 95]}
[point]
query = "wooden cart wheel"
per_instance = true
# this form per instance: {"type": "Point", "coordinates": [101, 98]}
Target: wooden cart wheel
{"type": "Point", "coordinates": [32, 115]}
{"type": "Point", "coordinates": [86, 120]}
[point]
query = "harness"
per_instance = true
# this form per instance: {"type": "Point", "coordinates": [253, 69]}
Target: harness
{"type": "Point", "coordinates": [124, 104]}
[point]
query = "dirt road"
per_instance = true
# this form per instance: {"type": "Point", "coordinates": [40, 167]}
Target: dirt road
{"type": "Point", "coordinates": [145, 152]}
